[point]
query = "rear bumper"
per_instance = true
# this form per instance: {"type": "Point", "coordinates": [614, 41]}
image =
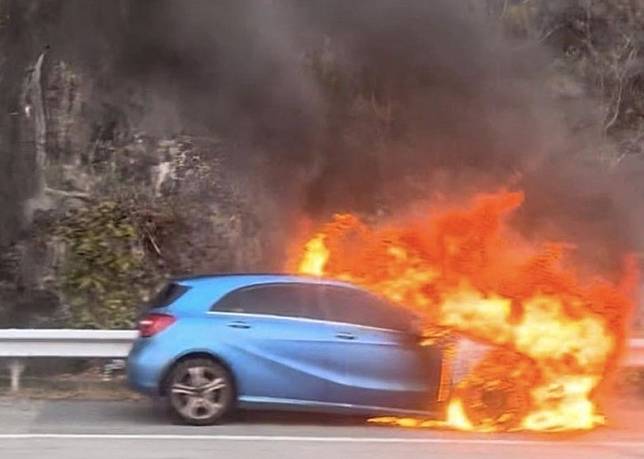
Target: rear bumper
{"type": "Point", "coordinates": [145, 368]}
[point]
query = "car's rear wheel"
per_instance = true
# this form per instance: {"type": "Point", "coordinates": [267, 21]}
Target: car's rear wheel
{"type": "Point", "coordinates": [200, 391]}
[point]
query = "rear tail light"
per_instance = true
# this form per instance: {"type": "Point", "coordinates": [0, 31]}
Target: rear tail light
{"type": "Point", "coordinates": [154, 323]}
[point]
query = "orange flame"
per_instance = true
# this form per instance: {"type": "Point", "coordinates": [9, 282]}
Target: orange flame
{"type": "Point", "coordinates": [556, 334]}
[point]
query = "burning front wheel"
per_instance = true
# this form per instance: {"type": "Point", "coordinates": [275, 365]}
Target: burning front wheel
{"type": "Point", "coordinates": [495, 394]}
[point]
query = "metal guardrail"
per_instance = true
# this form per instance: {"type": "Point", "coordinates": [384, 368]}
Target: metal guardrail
{"type": "Point", "coordinates": [66, 343]}
{"type": "Point", "coordinates": [17, 345]}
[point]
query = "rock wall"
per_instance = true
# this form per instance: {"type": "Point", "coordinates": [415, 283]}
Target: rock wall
{"type": "Point", "coordinates": [189, 210]}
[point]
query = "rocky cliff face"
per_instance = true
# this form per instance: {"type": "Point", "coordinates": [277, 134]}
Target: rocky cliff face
{"type": "Point", "coordinates": [177, 204]}
{"type": "Point", "coordinates": [142, 139]}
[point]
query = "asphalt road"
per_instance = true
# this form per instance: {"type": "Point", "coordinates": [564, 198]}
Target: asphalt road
{"type": "Point", "coordinates": [121, 430]}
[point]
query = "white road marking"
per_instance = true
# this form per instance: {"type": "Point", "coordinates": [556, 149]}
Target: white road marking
{"type": "Point", "coordinates": [311, 439]}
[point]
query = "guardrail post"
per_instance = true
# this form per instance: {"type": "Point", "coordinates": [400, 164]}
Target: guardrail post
{"type": "Point", "coordinates": [111, 367]}
{"type": "Point", "coordinates": [16, 367]}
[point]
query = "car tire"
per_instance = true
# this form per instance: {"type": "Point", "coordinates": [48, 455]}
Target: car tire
{"type": "Point", "coordinates": [199, 391]}
{"type": "Point", "coordinates": [497, 392]}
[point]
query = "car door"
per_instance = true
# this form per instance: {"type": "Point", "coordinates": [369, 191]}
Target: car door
{"type": "Point", "coordinates": [280, 350]}
{"type": "Point", "coordinates": [382, 362]}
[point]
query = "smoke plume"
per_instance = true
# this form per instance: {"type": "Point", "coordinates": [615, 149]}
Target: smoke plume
{"type": "Point", "coordinates": [359, 106]}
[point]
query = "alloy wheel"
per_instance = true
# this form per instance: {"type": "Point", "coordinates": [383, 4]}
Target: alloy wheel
{"type": "Point", "coordinates": [200, 392]}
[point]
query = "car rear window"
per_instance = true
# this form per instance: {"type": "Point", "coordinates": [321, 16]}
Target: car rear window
{"type": "Point", "coordinates": [288, 300]}
{"type": "Point", "coordinates": [167, 295]}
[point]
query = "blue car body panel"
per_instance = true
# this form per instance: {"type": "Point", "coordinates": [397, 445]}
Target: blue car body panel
{"type": "Point", "coordinates": [290, 362]}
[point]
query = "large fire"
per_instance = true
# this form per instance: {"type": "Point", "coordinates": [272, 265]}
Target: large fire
{"type": "Point", "coordinates": [556, 334]}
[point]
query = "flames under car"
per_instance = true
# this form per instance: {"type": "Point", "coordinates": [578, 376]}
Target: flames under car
{"type": "Point", "coordinates": [211, 344]}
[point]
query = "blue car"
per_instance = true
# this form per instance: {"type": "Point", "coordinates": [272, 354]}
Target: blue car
{"type": "Point", "coordinates": [211, 344]}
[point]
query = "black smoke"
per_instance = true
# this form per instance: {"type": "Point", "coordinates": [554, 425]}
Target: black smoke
{"type": "Point", "coordinates": [357, 106]}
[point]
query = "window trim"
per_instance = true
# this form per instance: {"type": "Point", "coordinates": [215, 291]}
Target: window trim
{"type": "Point", "coordinates": [256, 286]}
{"type": "Point", "coordinates": [321, 310]}
{"type": "Point", "coordinates": [372, 296]}
{"type": "Point", "coordinates": [306, 319]}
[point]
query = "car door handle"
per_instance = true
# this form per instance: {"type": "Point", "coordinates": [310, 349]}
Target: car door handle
{"type": "Point", "coordinates": [238, 324]}
{"type": "Point", "coordinates": [345, 335]}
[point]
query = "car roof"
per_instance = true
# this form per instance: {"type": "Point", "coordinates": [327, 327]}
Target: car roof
{"type": "Point", "coordinates": [237, 280]}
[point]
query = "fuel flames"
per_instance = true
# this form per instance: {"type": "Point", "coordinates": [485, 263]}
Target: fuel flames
{"type": "Point", "coordinates": [555, 334]}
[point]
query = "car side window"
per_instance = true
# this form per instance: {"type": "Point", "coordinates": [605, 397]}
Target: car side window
{"type": "Point", "coordinates": [354, 306]}
{"type": "Point", "coordinates": [290, 300]}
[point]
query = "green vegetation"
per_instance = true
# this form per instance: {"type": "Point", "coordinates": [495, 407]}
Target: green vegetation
{"type": "Point", "coordinates": [104, 274]}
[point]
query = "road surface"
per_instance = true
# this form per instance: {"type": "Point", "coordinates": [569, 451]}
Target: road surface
{"type": "Point", "coordinates": [121, 430]}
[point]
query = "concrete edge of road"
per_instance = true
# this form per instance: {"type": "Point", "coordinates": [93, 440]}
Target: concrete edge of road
{"type": "Point", "coordinates": [321, 439]}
